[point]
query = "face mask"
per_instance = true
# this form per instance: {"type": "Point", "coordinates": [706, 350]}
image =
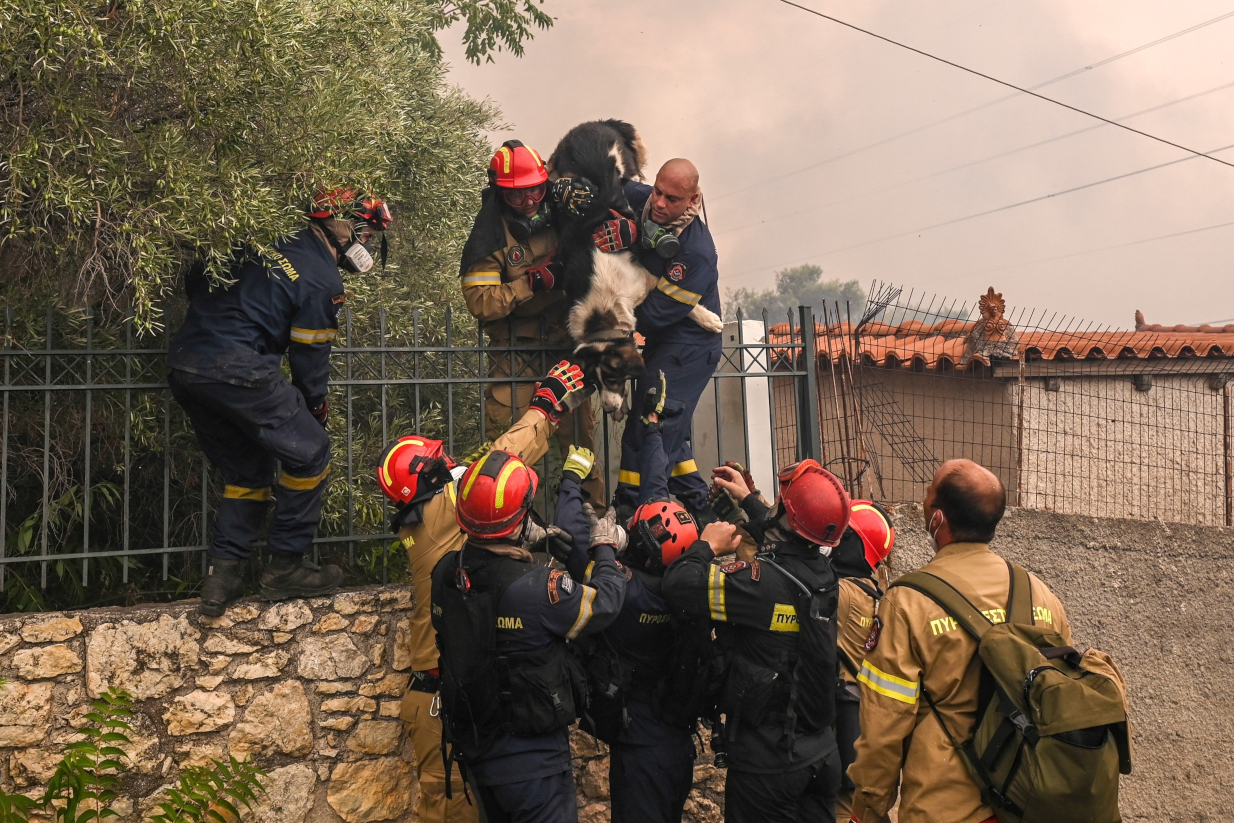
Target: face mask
{"type": "Point", "coordinates": [932, 530]}
{"type": "Point", "coordinates": [355, 256]}
{"type": "Point", "coordinates": [661, 240]}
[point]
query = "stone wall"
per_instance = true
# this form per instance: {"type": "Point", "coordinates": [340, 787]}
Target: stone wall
{"type": "Point", "coordinates": [309, 689]}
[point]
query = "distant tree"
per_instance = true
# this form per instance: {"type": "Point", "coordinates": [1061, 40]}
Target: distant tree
{"type": "Point", "coordinates": [798, 286]}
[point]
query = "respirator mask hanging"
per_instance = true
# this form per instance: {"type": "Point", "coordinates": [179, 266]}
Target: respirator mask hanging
{"type": "Point", "coordinates": [660, 239]}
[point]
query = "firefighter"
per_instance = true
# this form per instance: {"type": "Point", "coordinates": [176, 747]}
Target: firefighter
{"type": "Point", "coordinates": [867, 542]}
{"type": "Point", "coordinates": [649, 714]}
{"type": "Point", "coordinates": [512, 284]}
{"type": "Point", "coordinates": [774, 617]}
{"type": "Point", "coordinates": [675, 246]}
{"type": "Point", "coordinates": [224, 370]}
{"type": "Point", "coordinates": [419, 477]}
{"type": "Point", "coordinates": [508, 697]}
{"type": "Point", "coordinates": [913, 647]}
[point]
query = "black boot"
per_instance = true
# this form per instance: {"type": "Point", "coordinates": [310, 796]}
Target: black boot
{"type": "Point", "coordinates": [223, 586]}
{"type": "Point", "coordinates": [290, 575]}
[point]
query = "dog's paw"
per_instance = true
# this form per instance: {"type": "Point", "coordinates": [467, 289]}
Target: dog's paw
{"type": "Point", "coordinates": [707, 319]}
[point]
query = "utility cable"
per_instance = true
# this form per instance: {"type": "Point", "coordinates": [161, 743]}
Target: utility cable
{"type": "Point", "coordinates": [971, 163]}
{"type": "Point", "coordinates": [985, 213]}
{"type": "Point", "coordinates": [1029, 91]}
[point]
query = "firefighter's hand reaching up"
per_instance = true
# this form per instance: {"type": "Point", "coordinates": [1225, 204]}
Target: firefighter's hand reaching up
{"type": "Point", "coordinates": [731, 481]}
{"type": "Point", "coordinates": [604, 530]}
{"type": "Point", "coordinates": [721, 536]}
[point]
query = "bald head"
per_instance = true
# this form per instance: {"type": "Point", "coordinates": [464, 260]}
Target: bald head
{"type": "Point", "coordinates": [675, 190]}
{"type": "Point", "coordinates": [970, 499]}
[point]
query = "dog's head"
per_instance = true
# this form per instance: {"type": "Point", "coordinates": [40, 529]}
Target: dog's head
{"type": "Point", "coordinates": [609, 364]}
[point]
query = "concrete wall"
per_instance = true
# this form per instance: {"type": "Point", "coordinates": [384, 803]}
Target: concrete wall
{"type": "Point", "coordinates": [1098, 446]}
{"type": "Point", "coordinates": [1156, 597]}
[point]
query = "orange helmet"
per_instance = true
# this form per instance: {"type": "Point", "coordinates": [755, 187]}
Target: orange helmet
{"type": "Point", "coordinates": [815, 501]}
{"type": "Point", "coordinates": [352, 203]}
{"type": "Point", "coordinates": [495, 494]}
{"type": "Point", "coordinates": [873, 525]}
{"type": "Point", "coordinates": [414, 469]}
{"type": "Point", "coordinates": [660, 531]}
{"type": "Point", "coordinates": [516, 166]}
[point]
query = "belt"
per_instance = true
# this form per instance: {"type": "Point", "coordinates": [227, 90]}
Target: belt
{"type": "Point", "coordinates": [428, 682]}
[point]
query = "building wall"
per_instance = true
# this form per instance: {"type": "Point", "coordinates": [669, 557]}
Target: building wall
{"type": "Point", "coordinates": [1098, 446]}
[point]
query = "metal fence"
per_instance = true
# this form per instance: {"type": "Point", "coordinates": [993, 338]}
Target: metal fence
{"type": "Point", "coordinates": [1074, 417]}
{"type": "Point", "coordinates": [106, 496]}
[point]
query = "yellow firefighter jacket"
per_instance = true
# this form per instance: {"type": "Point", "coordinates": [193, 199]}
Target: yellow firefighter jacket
{"type": "Point", "coordinates": [438, 533]}
{"type": "Point", "coordinates": [920, 646]}
{"type": "Point", "coordinates": [854, 620]}
{"type": "Point", "coordinates": [497, 292]}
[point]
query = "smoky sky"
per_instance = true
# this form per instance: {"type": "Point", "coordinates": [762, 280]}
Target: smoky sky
{"type": "Point", "coordinates": [818, 144]}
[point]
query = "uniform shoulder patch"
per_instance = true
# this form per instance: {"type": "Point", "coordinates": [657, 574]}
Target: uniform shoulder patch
{"type": "Point", "coordinates": [872, 638]}
{"type": "Point", "coordinates": [559, 583]}
{"type": "Point", "coordinates": [339, 298]}
{"type": "Point", "coordinates": [735, 566]}
{"type": "Point", "coordinates": [516, 255]}
{"type": "Point", "coordinates": [676, 272]}
{"type": "Point", "coordinates": [756, 570]}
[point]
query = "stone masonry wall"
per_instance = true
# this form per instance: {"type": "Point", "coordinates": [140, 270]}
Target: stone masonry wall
{"type": "Point", "coordinates": [309, 689]}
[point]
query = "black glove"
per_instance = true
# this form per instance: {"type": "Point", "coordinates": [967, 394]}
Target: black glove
{"type": "Point", "coordinates": [575, 194]}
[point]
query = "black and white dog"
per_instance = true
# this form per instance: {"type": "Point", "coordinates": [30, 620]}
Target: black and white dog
{"type": "Point", "coordinates": [605, 287]}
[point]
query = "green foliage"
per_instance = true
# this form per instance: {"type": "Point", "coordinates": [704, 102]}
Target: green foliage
{"type": "Point", "coordinates": [798, 286]}
{"type": "Point", "coordinates": [211, 793]}
{"type": "Point", "coordinates": [140, 135]}
{"type": "Point", "coordinates": [84, 784]}
{"type": "Point", "coordinates": [87, 780]}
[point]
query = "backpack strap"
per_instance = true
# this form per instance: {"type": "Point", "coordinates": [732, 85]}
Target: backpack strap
{"type": "Point", "coordinates": [944, 594]}
{"type": "Point", "coordinates": [1019, 596]}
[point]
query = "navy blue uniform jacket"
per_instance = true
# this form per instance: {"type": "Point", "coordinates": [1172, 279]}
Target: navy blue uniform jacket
{"type": "Point", "coordinates": [642, 632]}
{"type": "Point", "coordinates": [284, 302]}
{"type": "Point", "coordinates": [687, 280]}
{"type": "Point", "coordinates": [542, 605]}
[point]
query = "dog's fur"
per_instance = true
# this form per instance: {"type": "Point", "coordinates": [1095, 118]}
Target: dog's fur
{"type": "Point", "coordinates": [605, 287]}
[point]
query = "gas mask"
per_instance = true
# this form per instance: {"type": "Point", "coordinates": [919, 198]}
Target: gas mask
{"type": "Point", "coordinates": [660, 239]}
{"type": "Point", "coordinates": [356, 255]}
{"type": "Point", "coordinates": [523, 227]}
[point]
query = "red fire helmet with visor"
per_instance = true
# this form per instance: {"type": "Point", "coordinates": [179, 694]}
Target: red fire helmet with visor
{"type": "Point", "coordinates": [495, 494]}
{"type": "Point", "coordinates": [873, 525]}
{"type": "Point", "coordinates": [815, 503]}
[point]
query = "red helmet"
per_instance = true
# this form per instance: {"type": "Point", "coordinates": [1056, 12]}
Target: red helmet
{"type": "Point", "coordinates": [660, 531]}
{"type": "Point", "coordinates": [516, 166]}
{"type": "Point", "coordinates": [350, 203]}
{"type": "Point", "coordinates": [815, 501]}
{"type": "Point", "coordinates": [413, 469]}
{"type": "Point", "coordinates": [495, 494]}
{"type": "Point", "coordinates": [873, 525]}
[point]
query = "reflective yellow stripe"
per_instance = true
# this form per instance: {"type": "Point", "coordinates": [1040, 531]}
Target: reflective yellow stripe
{"type": "Point", "coordinates": [888, 685]}
{"type": "Point", "coordinates": [506, 157]}
{"type": "Point", "coordinates": [679, 294]}
{"type": "Point", "coordinates": [474, 474]}
{"type": "Point", "coordinates": [627, 477]}
{"type": "Point", "coordinates": [506, 471]}
{"type": "Point", "coordinates": [536, 155]}
{"type": "Point", "coordinates": [311, 336]}
{"type": "Point", "coordinates": [241, 493]}
{"type": "Point", "coordinates": [453, 495]}
{"type": "Point", "coordinates": [584, 613]}
{"type": "Point", "coordinates": [687, 467]}
{"type": "Point", "coordinates": [587, 574]}
{"type": "Point", "coordinates": [482, 278]}
{"type": "Point", "coordinates": [302, 483]}
{"type": "Point", "coordinates": [715, 594]}
{"type": "Point", "coordinates": [868, 507]}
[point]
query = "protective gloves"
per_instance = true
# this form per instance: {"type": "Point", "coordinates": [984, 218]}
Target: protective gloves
{"type": "Point", "coordinates": [579, 462]}
{"type": "Point", "coordinates": [546, 276]}
{"type": "Point", "coordinates": [575, 194]}
{"type": "Point", "coordinates": [553, 393]}
{"type": "Point", "coordinates": [604, 530]}
{"type": "Point", "coordinates": [321, 412]}
{"type": "Point", "coordinates": [615, 234]}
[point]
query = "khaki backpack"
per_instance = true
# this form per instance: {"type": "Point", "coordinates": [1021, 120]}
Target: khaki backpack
{"type": "Point", "coordinates": [1052, 734]}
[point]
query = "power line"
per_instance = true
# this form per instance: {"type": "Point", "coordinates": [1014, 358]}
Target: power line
{"type": "Point", "coordinates": [983, 213]}
{"type": "Point", "coordinates": [975, 109]}
{"type": "Point", "coordinates": [1115, 246]}
{"type": "Point", "coordinates": [1159, 107]}
{"type": "Point", "coordinates": [1022, 90]}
